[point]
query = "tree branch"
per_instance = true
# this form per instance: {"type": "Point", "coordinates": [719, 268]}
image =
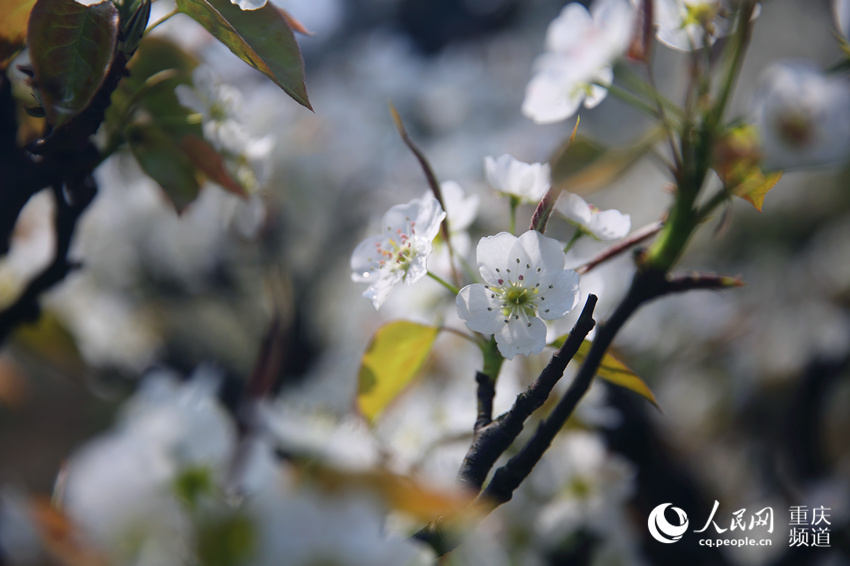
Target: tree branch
{"type": "Point", "coordinates": [492, 440]}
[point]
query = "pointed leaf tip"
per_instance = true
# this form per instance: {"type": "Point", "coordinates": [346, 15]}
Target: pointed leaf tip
{"type": "Point", "coordinates": [262, 38]}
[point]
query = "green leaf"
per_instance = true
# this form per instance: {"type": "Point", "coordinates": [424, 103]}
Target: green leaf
{"type": "Point", "coordinates": [71, 47]}
{"type": "Point", "coordinates": [164, 160]}
{"type": "Point", "coordinates": [14, 16]}
{"type": "Point", "coordinates": [612, 370]}
{"type": "Point", "coordinates": [262, 38]}
{"type": "Point", "coordinates": [393, 358]}
{"type": "Point", "coordinates": [582, 166]}
{"type": "Point", "coordinates": [156, 70]}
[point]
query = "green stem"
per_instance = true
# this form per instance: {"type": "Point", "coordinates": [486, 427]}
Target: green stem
{"type": "Point", "coordinates": [514, 205]}
{"type": "Point", "coordinates": [444, 283]}
{"type": "Point", "coordinates": [163, 19]}
{"type": "Point", "coordinates": [492, 359]}
{"type": "Point", "coordinates": [477, 341]}
{"type": "Point", "coordinates": [630, 98]}
{"type": "Point", "coordinates": [578, 234]}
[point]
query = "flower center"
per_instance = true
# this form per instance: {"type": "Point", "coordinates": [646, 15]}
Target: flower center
{"type": "Point", "coordinates": [795, 129]}
{"type": "Point", "coordinates": [397, 251]}
{"type": "Point", "coordinates": [516, 298]}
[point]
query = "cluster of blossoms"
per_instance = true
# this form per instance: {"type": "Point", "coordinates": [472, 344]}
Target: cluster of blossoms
{"type": "Point", "coordinates": [174, 483]}
{"type": "Point", "coordinates": [525, 279]}
{"type": "Point", "coordinates": [219, 106]}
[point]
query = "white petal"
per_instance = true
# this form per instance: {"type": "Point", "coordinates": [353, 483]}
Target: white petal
{"type": "Point", "coordinates": [380, 288]}
{"type": "Point", "coordinates": [561, 298]}
{"type": "Point", "coordinates": [597, 93]}
{"type": "Point", "coordinates": [365, 260]}
{"type": "Point", "coordinates": [473, 303]}
{"type": "Point", "coordinates": [551, 95]}
{"type": "Point", "coordinates": [542, 252]}
{"type": "Point", "coordinates": [573, 208]}
{"type": "Point", "coordinates": [528, 181]}
{"type": "Point", "coordinates": [492, 254]}
{"type": "Point", "coordinates": [521, 335]}
{"type": "Point", "coordinates": [249, 4]}
{"type": "Point", "coordinates": [610, 225]}
{"type": "Point", "coordinates": [568, 28]}
{"type": "Point", "coordinates": [461, 210]}
{"type": "Point", "coordinates": [428, 218]}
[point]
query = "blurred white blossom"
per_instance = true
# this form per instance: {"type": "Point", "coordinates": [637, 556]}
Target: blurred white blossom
{"type": "Point", "coordinates": [401, 251]}
{"type": "Point", "coordinates": [580, 48]}
{"type": "Point", "coordinates": [527, 182]}
{"type": "Point", "coordinates": [802, 115]}
{"type": "Point", "coordinates": [601, 224]}
{"type": "Point", "coordinates": [682, 24]}
{"type": "Point", "coordinates": [525, 282]}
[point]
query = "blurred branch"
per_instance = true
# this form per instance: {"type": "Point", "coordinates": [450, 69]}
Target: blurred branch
{"type": "Point", "coordinates": [71, 200]}
{"type": "Point", "coordinates": [64, 160]}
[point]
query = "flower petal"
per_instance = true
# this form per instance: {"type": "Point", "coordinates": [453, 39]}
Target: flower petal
{"type": "Point", "coordinates": [610, 225]}
{"type": "Point", "coordinates": [573, 208]}
{"type": "Point", "coordinates": [542, 251]}
{"type": "Point", "coordinates": [559, 294]}
{"type": "Point", "coordinates": [479, 308]}
{"type": "Point", "coordinates": [492, 255]}
{"type": "Point", "coordinates": [520, 335]}
{"type": "Point", "coordinates": [380, 289]}
{"type": "Point", "coordinates": [365, 260]}
{"type": "Point", "coordinates": [552, 94]}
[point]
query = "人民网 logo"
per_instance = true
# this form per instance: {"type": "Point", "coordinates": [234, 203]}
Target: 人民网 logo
{"type": "Point", "coordinates": [661, 529]}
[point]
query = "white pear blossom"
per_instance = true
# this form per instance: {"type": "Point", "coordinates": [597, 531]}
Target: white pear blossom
{"type": "Point", "coordinates": [601, 224]}
{"type": "Point", "coordinates": [580, 47]}
{"type": "Point", "coordinates": [400, 252]}
{"type": "Point", "coordinates": [525, 282]}
{"type": "Point", "coordinates": [803, 115]}
{"type": "Point", "coordinates": [528, 182]}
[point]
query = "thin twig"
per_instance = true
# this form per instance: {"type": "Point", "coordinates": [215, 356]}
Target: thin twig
{"type": "Point", "coordinates": [632, 239]}
{"type": "Point", "coordinates": [432, 182]}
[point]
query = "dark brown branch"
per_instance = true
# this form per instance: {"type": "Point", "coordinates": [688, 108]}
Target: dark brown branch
{"type": "Point", "coordinates": [491, 441]}
{"type": "Point", "coordinates": [645, 286]}
{"type": "Point", "coordinates": [432, 182]}
{"type": "Point", "coordinates": [486, 391]}
{"type": "Point", "coordinates": [80, 193]}
{"type": "Point", "coordinates": [64, 160]}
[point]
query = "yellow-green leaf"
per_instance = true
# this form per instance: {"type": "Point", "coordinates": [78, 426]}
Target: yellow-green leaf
{"type": "Point", "coordinates": [737, 161]}
{"type": "Point", "coordinates": [756, 186]}
{"type": "Point", "coordinates": [613, 370]}
{"type": "Point", "coordinates": [14, 16]}
{"type": "Point", "coordinates": [393, 358]}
